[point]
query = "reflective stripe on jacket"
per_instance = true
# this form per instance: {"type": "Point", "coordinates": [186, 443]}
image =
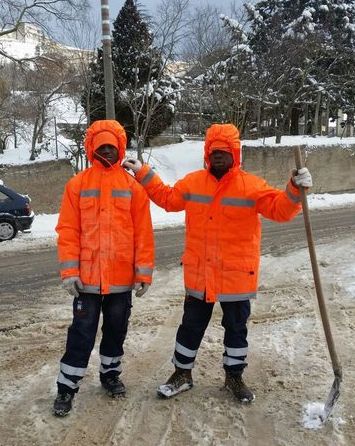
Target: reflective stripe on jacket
{"type": "Point", "coordinates": [105, 233]}
{"type": "Point", "coordinates": [223, 228]}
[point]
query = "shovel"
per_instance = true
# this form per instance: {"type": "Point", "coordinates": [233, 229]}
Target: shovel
{"type": "Point", "coordinates": [335, 389]}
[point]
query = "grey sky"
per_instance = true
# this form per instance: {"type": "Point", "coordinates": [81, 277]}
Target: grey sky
{"type": "Point", "coordinates": [151, 5]}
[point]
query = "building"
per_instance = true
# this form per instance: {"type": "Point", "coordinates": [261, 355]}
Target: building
{"type": "Point", "coordinates": [29, 41]}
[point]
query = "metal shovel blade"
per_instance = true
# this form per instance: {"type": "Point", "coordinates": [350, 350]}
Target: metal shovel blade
{"type": "Point", "coordinates": [332, 398]}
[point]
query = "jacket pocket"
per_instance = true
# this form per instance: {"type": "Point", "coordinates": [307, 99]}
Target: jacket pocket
{"type": "Point", "coordinates": [247, 266]}
{"type": "Point", "coordinates": [191, 270]}
{"type": "Point", "coordinates": [238, 214]}
{"type": "Point", "coordinates": [122, 272]}
{"type": "Point", "coordinates": [123, 203]}
{"type": "Point", "coordinates": [122, 215]}
{"type": "Point", "coordinates": [85, 264]}
{"type": "Point", "coordinates": [239, 276]}
{"type": "Point", "coordinates": [88, 211]}
{"type": "Point", "coordinates": [122, 228]}
{"type": "Point", "coordinates": [86, 202]}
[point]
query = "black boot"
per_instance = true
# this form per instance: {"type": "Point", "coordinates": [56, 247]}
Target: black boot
{"type": "Point", "coordinates": [237, 386]}
{"type": "Point", "coordinates": [113, 386]}
{"type": "Point", "coordinates": [179, 381]}
{"type": "Point", "coordinates": [62, 404]}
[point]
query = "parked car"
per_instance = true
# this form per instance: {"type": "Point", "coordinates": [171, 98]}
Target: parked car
{"type": "Point", "coordinates": [15, 212]}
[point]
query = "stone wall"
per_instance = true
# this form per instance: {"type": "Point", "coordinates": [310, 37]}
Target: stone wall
{"type": "Point", "coordinates": [43, 182]}
{"type": "Point", "coordinates": [332, 167]}
{"type": "Point", "coordinates": [163, 140]}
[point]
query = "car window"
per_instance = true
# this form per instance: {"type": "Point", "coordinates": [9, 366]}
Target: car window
{"type": "Point", "coordinates": [3, 197]}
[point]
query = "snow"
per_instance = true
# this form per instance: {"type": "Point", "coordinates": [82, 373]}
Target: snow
{"type": "Point", "coordinates": [66, 111]}
{"type": "Point", "coordinates": [171, 162]}
{"type": "Point", "coordinates": [21, 50]}
{"type": "Point", "coordinates": [313, 413]}
{"type": "Point", "coordinates": [301, 140]}
{"type": "Point", "coordinates": [286, 411]}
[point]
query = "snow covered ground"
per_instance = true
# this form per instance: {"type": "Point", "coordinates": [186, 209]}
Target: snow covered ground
{"type": "Point", "coordinates": [289, 367]}
{"type": "Point", "coordinates": [171, 162]}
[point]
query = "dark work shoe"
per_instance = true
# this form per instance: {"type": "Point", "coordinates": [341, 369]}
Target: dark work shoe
{"type": "Point", "coordinates": [62, 404]}
{"type": "Point", "coordinates": [240, 390]}
{"type": "Point", "coordinates": [179, 381]}
{"type": "Point", "coordinates": [114, 386]}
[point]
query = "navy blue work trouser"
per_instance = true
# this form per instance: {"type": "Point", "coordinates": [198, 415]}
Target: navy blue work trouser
{"type": "Point", "coordinates": [197, 314]}
{"type": "Point", "coordinates": [116, 310]}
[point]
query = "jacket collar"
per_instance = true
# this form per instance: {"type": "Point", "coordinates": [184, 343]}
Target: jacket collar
{"type": "Point", "coordinates": [229, 175]}
{"type": "Point", "coordinates": [97, 165]}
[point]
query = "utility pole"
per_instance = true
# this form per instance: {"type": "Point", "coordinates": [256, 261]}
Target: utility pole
{"type": "Point", "coordinates": [56, 137]}
{"type": "Point", "coordinates": [107, 58]}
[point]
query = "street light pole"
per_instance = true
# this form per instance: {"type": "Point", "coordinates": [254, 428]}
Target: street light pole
{"type": "Point", "coordinates": [107, 59]}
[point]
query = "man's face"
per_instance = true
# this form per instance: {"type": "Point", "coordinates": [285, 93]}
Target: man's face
{"type": "Point", "coordinates": [220, 162]}
{"type": "Point", "coordinates": [107, 155]}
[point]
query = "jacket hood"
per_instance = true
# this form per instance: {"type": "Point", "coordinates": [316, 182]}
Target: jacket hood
{"type": "Point", "coordinates": [103, 132]}
{"type": "Point", "coordinates": [223, 137]}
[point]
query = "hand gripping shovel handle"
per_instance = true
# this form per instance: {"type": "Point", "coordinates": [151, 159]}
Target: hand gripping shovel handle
{"type": "Point", "coordinates": [334, 392]}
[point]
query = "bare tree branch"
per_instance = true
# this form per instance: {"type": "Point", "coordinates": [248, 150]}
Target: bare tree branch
{"type": "Point", "coordinates": [39, 12]}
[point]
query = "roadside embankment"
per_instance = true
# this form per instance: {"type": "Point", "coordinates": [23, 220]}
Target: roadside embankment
{"type": "Point", "coordinates": [332, 168]}
{"type": "Point", "coordinates": [43, 182]}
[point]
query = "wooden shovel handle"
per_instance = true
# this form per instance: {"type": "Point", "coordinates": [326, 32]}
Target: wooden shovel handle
{"type": "Point", "coordinates": [316, 276]}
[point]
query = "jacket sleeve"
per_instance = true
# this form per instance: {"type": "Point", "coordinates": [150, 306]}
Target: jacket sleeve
{"type": "Point", "coordinates": [68, 229]}
{"type": "Point", "coordinates": [276, 204]}
{"type": "Point", "coordinates": [143, 235]}
{"type": "Point", "coordinates": [170, 198]}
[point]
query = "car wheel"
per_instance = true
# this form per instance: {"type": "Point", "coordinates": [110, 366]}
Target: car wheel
{"type": "Point", "coordinates": [8, 230]}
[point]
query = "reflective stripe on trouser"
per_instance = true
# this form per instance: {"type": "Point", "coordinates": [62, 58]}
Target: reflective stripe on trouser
{"type": "Point", "coordinates": [116, 309]}
{"type": "Point", "coordinates": [234, 321]}
{"type": "Point", "coordinates": [109, 364]}
{"type": "Point", "coordinates": [197, 314]}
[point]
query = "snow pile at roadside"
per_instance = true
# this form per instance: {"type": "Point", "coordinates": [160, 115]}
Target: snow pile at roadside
{"type": "Point", "coordinates": [297, 140]}
{"type": "Point", "coordinates": [171, 163]}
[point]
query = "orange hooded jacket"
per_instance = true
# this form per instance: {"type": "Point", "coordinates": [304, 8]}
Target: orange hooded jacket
{"type": "Point", "coordinates": [223, 228]}
{"type": "Point", "coordinates": [105, 233]}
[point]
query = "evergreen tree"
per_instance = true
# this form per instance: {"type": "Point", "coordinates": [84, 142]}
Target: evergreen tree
{"type": "Point", "coordinates": [133, 54]}
{"type": "Point", "coordinates": [144, 96]}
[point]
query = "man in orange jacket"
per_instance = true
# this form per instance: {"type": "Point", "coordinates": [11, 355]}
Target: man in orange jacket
{"type": "Point", "coordinates": [222, 249]}
{"type": "Point", "coordinates": [105, 248]}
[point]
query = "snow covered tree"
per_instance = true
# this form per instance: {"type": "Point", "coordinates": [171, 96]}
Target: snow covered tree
{"type": "Point", "coordinates": [145, 95]}
{"type": "Point", "coordinates": [304, 47]}
{"type": "Point", "coordinates": [289, 60]}
{"type": "Point", "coordinates": [42, 87]}
{"type": "Point", "coordinates": [227, 82]}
